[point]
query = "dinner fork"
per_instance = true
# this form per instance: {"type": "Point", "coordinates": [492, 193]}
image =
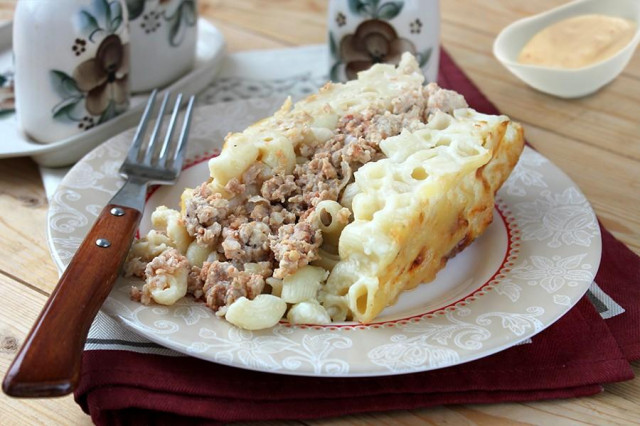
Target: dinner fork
{"type": "Point", "coordinates": [48, 363]}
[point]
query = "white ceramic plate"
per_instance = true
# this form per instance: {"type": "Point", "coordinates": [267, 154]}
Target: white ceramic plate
{"type": "Point", "coordinates": [532, 265]}
{"type": "Point", "coordinates": [209, 54]}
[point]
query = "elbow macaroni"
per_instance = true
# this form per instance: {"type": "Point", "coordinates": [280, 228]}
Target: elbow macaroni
{"type": "Point", "coordinates": [331, 218]}
{"type": "Point", "coordinates": [167, 289]}
{"type": "Point", "coordinates": [308, 312]}
{"type": "Point", "coordinates": [303, 284]}
{"type": "Point", "coordinates": [168, 220]}
{"type": "Point", "coordinates": [264, 311]}
{"type": "Point", "coordinates": [166, 277]}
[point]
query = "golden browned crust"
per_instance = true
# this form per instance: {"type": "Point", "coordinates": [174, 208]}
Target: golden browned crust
{"type": "Point", "coordinates": [460, 216]}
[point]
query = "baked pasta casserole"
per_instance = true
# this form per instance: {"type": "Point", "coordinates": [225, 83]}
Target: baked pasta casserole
{"type": "Point", "coordinates": [329, 209]}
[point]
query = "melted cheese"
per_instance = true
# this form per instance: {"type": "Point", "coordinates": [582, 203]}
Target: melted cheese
{"type": "Point", "coordinates": [431, 196]}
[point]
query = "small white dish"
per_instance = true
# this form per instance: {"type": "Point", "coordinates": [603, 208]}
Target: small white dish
{"type": "Point", "coordinates": [210, 49]}
{"type": "Point", "coordinates": [566, 83]}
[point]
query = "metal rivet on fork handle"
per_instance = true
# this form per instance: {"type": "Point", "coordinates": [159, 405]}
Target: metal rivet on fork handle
{"type": "Point", "coordinates": [117, 211]}
{"type": "Point", "coordinates": [103, 242]}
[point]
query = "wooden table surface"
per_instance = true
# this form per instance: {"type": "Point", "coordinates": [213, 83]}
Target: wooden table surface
{"type": "Point", "coordinates": [595, 140]}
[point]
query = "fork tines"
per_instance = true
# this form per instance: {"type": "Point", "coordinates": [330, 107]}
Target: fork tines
{"type": "Point", "coordinates": [169, 154]}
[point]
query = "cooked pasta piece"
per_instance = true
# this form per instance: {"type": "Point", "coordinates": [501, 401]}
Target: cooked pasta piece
{"type": "Point", "coordinates": [276, 286]}
{"type": "Point", "coordinates": [166, 280]}
{"type": "Point", "coordinates": [262, 312]}
{"type": "Point", "coordinates": [328, 257]}
{"type": "Point", "coordinates": [348, 194]}
{"type": "Point", "coordinates": [308, 312]}
{"type": "Point", "coordinates": [332, 218]}
{"type": "Point", "coordinates": [169, 221]}
{"type": "Point", "coordinates": [303, 284]}
{"type": "Point", "coordinates": [197, 254]}
{"type": "Point", "coordinates": [151, 245]}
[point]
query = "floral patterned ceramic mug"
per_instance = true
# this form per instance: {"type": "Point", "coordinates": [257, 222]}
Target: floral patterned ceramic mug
{"type": "Point", "coordinates": [163, 41]}
{"type": "Point", "coordinates": [71, 62]}
{"type": "Point", "coordinates": [365, 32]}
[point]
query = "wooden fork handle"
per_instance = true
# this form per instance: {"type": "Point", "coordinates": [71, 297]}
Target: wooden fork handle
{"type": "Point", "coordinates": [48, 363]}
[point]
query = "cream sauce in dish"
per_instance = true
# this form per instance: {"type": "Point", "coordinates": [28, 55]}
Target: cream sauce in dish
{"type": "Point", "coordinates": [578, 41]}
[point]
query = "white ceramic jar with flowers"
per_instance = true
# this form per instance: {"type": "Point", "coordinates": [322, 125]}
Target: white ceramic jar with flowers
{"type": "Point", "coordinates": [163, 41]}
{"type": "Point", "coordinates": [71, 65]}
{"type": "Point", "coordinates": [366, 32]}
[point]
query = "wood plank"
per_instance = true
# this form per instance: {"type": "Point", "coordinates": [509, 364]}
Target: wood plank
{"type": "Point", "coordinates": [621, 105]}
{"type": "Point", "coordinates": [604, 408]}
{"type": "Point", "coordinates": [18, 311]}
{"type": "Point", "coordinates": [599, 409]}
{"type": "Point", "coordinates": [6, 9]}
{"type": "Point", "coordinates": [629, 390]}
{"type": "Point", "coordinates": [293, 22]}
{"type": "Point", "coordinates": [491, 17]}
{"type": "Point", "coordinates": [430, 416]}
{"type": "Point", "coordinates": [584, 137]}
{"type": "Point", "coordinates": [606, 119]}
{"type": "Point", "coordinates": [239, 38]}
{"type": "Point", "coordinates": [22, 225]}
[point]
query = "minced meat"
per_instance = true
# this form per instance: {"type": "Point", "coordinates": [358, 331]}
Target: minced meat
{"type": "Point", "coordinates": [265, 217]}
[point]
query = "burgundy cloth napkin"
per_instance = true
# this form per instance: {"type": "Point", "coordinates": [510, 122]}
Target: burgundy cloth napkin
{"type": "Point", "coordinates": [571, 358]}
